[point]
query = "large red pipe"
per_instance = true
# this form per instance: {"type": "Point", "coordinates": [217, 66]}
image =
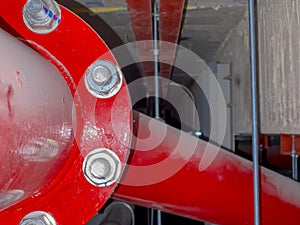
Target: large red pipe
{"type": "Point", "coordinates": [35, 121]}
{"type": "Point", "coordinates": [215, 189]}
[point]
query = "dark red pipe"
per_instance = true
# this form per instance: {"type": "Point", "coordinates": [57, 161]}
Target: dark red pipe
{"type": "Point", "coordinates": [170, 19]}
{"type": "Point", "coordinates": [140, 13]}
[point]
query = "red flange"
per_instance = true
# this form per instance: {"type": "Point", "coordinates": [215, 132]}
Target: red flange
{"type": "Point", "coordinates": [72, 47]}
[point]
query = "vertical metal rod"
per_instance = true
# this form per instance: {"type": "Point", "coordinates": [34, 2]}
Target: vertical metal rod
{"type": "Point", "coordinates": [156, 53]}
{"type": "Point", "coordinates": [251, 8]}
{"type": "Point", "coordinates": [158, 217]}
{"type": "Point", "coordinates": [294, 160]}
{"type": "Point", "coordinates": [152, 217]}
{"type": "Point", "coordinates": [295, 166]}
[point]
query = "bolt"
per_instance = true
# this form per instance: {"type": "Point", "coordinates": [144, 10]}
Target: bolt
{"type": "Point", "coordinates": [41, 16]}
{"type": "Point", "coordinates": [38, 218]}
{"type": "Point", "coordinates": [103, 79]}
{"type": "Point", "coordinates": [101, 75]}
{"type": "Point", "coordinates": [102, 167]}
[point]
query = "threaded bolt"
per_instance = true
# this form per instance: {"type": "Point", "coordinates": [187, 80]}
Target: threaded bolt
{"type": "Point", "coordinates": [102, 167]}
{"type": "Point", "coordinates": [101, 75]}
{"type": "Point", "coordinates": [103, 79]}
{"type": "Point", "coordinates": [41, 16]}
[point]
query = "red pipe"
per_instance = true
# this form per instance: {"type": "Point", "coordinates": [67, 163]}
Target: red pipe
{"type": "Point", "coordinates": [220, 192]}
{"type": "Point", "coordinates": [35, 120]}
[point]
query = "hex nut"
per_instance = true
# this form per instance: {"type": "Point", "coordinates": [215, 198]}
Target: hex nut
{"type": "Point", "coordinates": [102, 167]}
{"type": "Point", "coordinates": [38, 218]}
{"type": "Point", "coordinates": [103, 79]}
{"type": "Point", "coordinates": [41, 16]}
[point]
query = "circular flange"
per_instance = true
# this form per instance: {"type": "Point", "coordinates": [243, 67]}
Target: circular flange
{"type": "Point", "coordinates": [72, 47]}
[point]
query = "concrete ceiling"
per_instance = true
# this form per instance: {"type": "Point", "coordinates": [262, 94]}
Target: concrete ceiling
{"type": "Point", "coordinates": [205, 26]}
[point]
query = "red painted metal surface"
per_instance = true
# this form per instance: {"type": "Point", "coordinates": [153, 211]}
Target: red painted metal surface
{"type": "Point", "coordinates": [140, 13]}
{"type": "Point", "coordinates": [170, 19]}
{"type": "Point", "coordinates": [286, 142]}
{"type": "Point", "coordinates": [36, 120]}
{"type": "Point", "coordinates": [71, 48]}
{"type": "Point", "coordinates": [263, 141]}
{"type": "Point", "coordinates": [220, 193]}
{"type": "Point", "coordinates": [176, 174]}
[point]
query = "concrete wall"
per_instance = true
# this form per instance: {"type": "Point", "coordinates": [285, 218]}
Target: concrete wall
{"type": "Point", "coordinates": [279, 50]}
{"type": "Point", "coordinates": [235, 51]}
{"type": "Point", "coordinates": [279, 68]}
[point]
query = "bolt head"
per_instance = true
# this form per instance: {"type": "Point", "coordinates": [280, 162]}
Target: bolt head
{"type": "Point", "coordinates": [102, 167]}
{"type": "Point", "coordinates": [103, 79]}
{"type": "Point", "coordinates": [41, 16]}
{"type": "Point", "coordinates": [38, 218]}
{"type": "Point", "coordinates": [34, 7]}
{"type": "Point", "coordinates": [101, 75]}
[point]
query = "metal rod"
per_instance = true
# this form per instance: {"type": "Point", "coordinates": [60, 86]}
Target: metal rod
{"type": "Point", "coordinates": [156, 73]}
{"type": "Point", "coordinates": [156, 53]}
{"type": "Point", "coordinates": [295, 166]}
{"type": "Point", "coordinates": [152, 217]}
{"type": "Point", "coordinates": [158, 217]}
{"type": "Point", "coordinates": [294, 160]}
{"type": "Point", "coordinates": [256, 177]}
